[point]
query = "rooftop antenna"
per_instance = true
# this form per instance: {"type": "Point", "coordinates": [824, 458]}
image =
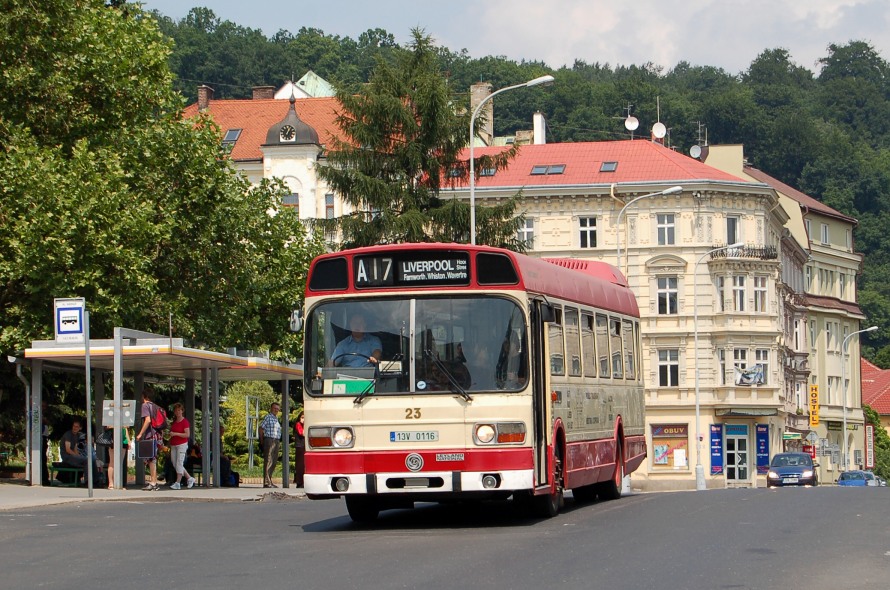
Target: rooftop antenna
{"type": "Point", "coordinates": [631, 123]}
{"type": "Point", "coordinates": [658, 130]}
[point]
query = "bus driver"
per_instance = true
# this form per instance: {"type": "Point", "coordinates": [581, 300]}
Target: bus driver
{"type": "Point", "coordinates": [358, 349]}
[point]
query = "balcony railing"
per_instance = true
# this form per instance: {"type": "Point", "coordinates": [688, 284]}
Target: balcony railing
{"type": "Point", "coordinates": [750, 252]}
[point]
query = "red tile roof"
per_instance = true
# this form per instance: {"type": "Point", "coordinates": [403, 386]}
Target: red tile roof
{"type": "Point", "coordinates": [255, 117]}
{"type": "Point", "coordinates": [875, 387]}
{"type": "Point", "coordinates": [805, 200]}
{"type": "Point", "coordinates": [637, 161]}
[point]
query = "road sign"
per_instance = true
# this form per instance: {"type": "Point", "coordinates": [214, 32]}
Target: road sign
{"type": "Point", "coordinates": [69, 322]}
{"type": "Point", "coordinates": [812, 437]}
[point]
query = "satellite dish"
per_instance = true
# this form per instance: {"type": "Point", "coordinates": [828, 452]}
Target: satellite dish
{"type": "Point", "coordinates": [659, 130]}
{"type": "Point", "coordinates": [695, 151]}
{"type": "Point", "coordinates": [631, 123]}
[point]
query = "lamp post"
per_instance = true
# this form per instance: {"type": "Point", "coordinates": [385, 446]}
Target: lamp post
{"type": "Point", "coordinates": [844, 388]}
{"type": "Point", "coordinates": [699, 469]}
{"type": "Point", "coordinates": [536, 82]}
{"type": "Point", "coordinates": [668, 191]}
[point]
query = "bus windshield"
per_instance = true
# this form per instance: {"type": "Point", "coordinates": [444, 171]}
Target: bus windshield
{"type": "Point", "coordinates": [432, 344]}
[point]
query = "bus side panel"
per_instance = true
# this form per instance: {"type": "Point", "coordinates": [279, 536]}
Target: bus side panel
{"type": "Point", "coordinates": [589, 462]}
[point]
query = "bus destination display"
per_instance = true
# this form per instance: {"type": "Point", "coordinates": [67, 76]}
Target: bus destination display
{"type": "Point", "coordinates": [412, 269]}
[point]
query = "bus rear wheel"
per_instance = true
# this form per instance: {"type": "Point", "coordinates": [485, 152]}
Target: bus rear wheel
{"type": "Point", "coordinates": [549, 505]}
{"type": "Point", "coordinates": [362, 509]}
{"type": "Point", "coordinates": [611, 490]}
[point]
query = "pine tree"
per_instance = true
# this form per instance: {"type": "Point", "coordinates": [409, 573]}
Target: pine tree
{"type": "Point", "coordinates": [404, 137]}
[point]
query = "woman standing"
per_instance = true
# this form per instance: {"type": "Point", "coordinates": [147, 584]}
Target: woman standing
{"type": "Point", "coordinates": [299, 449]}
{"type": "Point", "coordinates": [125, 449]}
{"type": "Point", "coordinates": [180, 431]}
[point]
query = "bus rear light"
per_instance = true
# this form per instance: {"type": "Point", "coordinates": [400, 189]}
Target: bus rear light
{"type": "Point", "coordinates": [500, 433]}
{"type": "Point", "coordinates": [326, 437]}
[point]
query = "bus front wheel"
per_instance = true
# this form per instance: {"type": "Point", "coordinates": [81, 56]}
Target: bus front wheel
{"type": "Point", "coordinates": [549, 505]}
{"type": "Point", "coordinates": [362, 509]}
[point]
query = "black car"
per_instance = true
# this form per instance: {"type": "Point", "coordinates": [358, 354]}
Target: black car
{"type": "Point", "coordinates": [792, 469]}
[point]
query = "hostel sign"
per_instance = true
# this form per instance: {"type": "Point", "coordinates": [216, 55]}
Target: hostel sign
{"type": "Point", "coordinates": [814, 405]}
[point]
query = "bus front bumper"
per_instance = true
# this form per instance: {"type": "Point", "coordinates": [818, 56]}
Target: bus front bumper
{"type": "Point", "coordinates": [432, 482]}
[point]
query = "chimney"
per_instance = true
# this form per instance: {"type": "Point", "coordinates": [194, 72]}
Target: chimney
{"type": "Point", "coordinates": [260, 92]}
{"type": "Point", "coordinates": [478, 93]}
{"type": "Point", "coordinates": [540, 128]}
{"type": "Point", "coordinates": [205, 95]}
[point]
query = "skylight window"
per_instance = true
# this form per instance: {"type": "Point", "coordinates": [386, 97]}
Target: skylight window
{"type": "Point", "coordinates": [548, 169]}
{"type": "Point", "coordinates": [487, 172]}
{"type": "Point", "coordinates": [232, 136]}
{"type": "Point", "coordinates": [609, 167]}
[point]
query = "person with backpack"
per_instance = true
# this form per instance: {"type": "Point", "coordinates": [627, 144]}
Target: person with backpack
{"type": "Point", "coordinates": [154, 422]}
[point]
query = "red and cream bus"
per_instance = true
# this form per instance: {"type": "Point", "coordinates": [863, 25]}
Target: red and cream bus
{"type": "Point", "coordinates": [448, 371]}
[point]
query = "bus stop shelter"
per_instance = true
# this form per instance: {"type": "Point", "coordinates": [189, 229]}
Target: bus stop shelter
{"type": "Point", "coordinates": [142, 355]}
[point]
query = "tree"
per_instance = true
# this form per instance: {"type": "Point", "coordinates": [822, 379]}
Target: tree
{"type": "Point", "coordinates": [109, 195]}
{"type": "Point", "coordinates": [404, 137]}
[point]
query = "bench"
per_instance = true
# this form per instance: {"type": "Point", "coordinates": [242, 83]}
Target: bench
{"type": "Point", "coordinates": [59, 467]}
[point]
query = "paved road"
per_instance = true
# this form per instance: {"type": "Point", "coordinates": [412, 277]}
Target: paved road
{"type": "Point", "coordinates": [822, 538]}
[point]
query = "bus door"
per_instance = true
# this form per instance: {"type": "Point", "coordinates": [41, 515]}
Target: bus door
{"type": "Point", "coordinates": [539, 313]}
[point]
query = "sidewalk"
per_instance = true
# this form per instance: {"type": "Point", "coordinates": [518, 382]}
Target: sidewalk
{"type": "Point", "coordinates": [17, 494]}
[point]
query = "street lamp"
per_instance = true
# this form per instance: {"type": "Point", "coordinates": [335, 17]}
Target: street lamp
{"type": "Point", "coordinates": [844, 388]}
{"type": "Point", "coordinates": [536, 82]}
{"type": "Point", "coordinates": [668, 191]}
{"type": "Point", "coordinates": [699, 469]}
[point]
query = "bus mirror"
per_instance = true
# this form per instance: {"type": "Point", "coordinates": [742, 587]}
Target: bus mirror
{"type": "Point", "coordinates": [296, 320]}
{"type": "Point", "coordinates": [547, 313]}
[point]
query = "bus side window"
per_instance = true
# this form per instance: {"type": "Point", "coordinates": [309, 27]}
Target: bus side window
{"type": "Point", "coordinates": [573, 342]}
{"type": "Point", "coordinates": [587, 344]}
{"type": "Point", "coordinates": [602, 344]}
{"type": "Point", "coordinates": [557, 347]}
{"type": "Point", "coordinates": [630, 366]}
{"type": "Point", "coordinates": [615, 341]}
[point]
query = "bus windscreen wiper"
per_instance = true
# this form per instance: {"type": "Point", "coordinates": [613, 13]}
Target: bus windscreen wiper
{"type": "Point", "coordinates": [371, 386]}
{"type": "Point", "coordinates": [456, 387]}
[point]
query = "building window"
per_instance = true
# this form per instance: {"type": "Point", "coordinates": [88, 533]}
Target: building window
{"type": "Point", "coordinates": [808, 273]}
{"type": "Point", "coordinates": [849, 241]}
{"type": "Point", "coordinates": [670, 445]}
{"type": "Point", "coordinates": [487, 172]}
{"type": "Point", "coordinates": [292, 200]}
{"type": "Point", "coordinates": [329, 206]}
{"type": "Point", "coordinates": [665, 223]}
{"type": "Point", "coordinates": [733, 235]}
{"type": "Point", "coordinates": [668, 368]}
{"type": "Point", "coordinates": [830, 335]}
{"type": "Point", "coordinates": [721, 298]}
{"type": "Point", "coordinates": [609, 167]}
{"type": "Point", "coordinates": [667, 295]}
{"type": "Point", "coordinates": [739, 363]}
{"type": "Point", "coordinates": [812, 333]}
{"type": "Point", "coordinates": [824, 233]}
{"type": "Point", "coordinates": [842, 284]}
{"type": "Point", "coordinates": [542, 169]}
{"type": "Point", "coordinates": [587, 225]}
{"type": "Point", "coordinates": [526, 234]}
{"type": "Point", "coordinates": [761, 357]}
{"type": "Point", "coordinates": [806, 223]}
{"type": "Point", "coordinates": [738, 293]}
{"type": "Point", "coordinates": [722, 357]}
{"type": "Point", "coordinates": [760, 294]}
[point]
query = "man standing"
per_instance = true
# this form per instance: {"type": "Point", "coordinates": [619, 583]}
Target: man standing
{"type": "Point", "coordinates": [147, 432]}
{"type": "Point", "coordinates": [270, 440]}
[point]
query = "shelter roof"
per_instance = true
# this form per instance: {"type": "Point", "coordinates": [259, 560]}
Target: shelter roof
{"type": "Point", "coordinates": [166, 357]}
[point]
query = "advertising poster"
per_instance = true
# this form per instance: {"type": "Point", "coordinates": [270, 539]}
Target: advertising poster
{"type": "Point", "coordinates": [716, 449]}
{"type": "Point", "coordinates": [762, 448]}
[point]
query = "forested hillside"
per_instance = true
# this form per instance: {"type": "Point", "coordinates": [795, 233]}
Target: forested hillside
{"type": "Point", "coordinates": [826, 132]}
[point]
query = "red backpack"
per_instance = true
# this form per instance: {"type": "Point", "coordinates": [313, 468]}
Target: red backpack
{"type": "Point", "coordinates": [158, 418]}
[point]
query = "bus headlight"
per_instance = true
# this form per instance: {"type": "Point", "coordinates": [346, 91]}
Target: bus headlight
{"type": "Point", "coordinates": [326, 437]}
{"type": "Point", "coordinates": [343, 437]}
{"type": "Point", "coordinates": [484, 433]}
{"type": "Point", "coordinates": [504, 433]}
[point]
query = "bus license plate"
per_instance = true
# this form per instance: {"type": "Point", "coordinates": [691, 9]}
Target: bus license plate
{"type": "Point", "coordinates": [413, 436]}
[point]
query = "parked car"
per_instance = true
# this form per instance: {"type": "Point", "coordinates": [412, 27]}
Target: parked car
{"type": "Point", "coordinates": [852, 478]}
{"type": "Point", "coordinates": [871, 479]}
{"type": "Point", "coordinates": [792, 469]}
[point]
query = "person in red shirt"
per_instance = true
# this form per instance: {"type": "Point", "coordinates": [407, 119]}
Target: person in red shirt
{"type": "Point", "coordinates": [180, 431]}
{"type": "Point", "coordinates": [299, 449]}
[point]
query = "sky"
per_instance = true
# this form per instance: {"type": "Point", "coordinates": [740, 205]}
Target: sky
{"type": "Point", "coordinates": [728, 34]}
